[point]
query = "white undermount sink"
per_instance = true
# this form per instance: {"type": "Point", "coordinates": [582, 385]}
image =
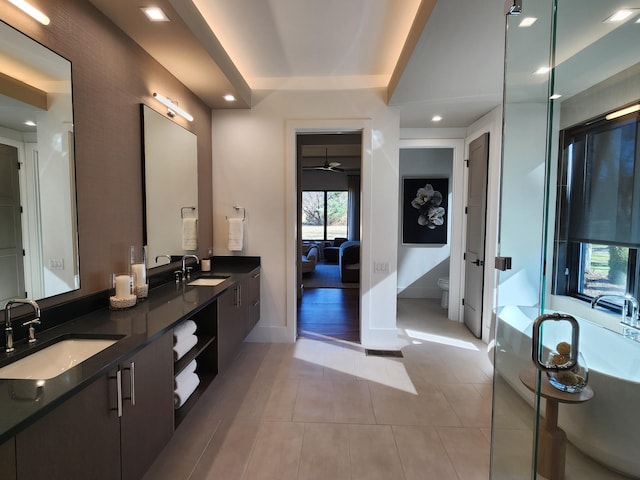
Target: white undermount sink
{"type": "Point", "coordinates": [207, 282]}
{"type": "Point", "coordinates": [55, 359]}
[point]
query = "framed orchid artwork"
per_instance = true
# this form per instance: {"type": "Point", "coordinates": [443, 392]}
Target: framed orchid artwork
{"type": "Point", "coordinates": [424, 210]}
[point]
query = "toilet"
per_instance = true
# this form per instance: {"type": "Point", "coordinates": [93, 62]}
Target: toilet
{"type": "Point", "coordinates": [443, 283]}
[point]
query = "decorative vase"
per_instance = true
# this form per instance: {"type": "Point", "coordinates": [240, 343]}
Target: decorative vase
{"type": "Point", "coordinates": [573, 380]}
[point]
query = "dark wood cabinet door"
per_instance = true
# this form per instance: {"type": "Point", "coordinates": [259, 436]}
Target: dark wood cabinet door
{"type": "Point", "coordinates": [78, 440]}
{"type": "Point", "coordinates": [147, 425]}
{"type": "Point", "coordinates": [8, 460]}
{"type": "Point", "coordinates": [251, 299]}
{"type": "Point", "coordinates": [231, 327]}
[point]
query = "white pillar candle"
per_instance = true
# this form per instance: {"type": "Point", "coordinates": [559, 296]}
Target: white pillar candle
{"type": "Point", "coordinates": [140, 274]}
{"type": "Point", "coordinates": [123, 286]}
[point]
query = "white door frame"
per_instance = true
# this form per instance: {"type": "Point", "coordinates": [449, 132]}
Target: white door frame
{"type": "Point", "coordinates": [459, 185]}
{"type": "Point", "coordinates": [292, 129]}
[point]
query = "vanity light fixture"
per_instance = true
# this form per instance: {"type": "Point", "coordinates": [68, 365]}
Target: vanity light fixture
{"type": "Point", "coordinates": [623, 111]}
{"type": "Point", "coordinates": [173, 108]}
{"type": "Point", "coordinates": [30, 123]}
{"type": "Point", "coordinates": [542, 70]}
{"type": "Point", "coordinates": [155, 14]}
{"type": "Point", "coordinates": [229, 98]}
{"type": "Point", "coordinates": [31, 11]}
{"type": "Point", "coordinates": [436, 118]}
{"type": "Point", "coordinates": [555, 96]}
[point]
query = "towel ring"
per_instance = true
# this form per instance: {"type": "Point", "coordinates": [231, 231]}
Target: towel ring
{"type": "Point", "coordinates": [187, 208]}
{"type": "Point", "coordinates": [238, 208]}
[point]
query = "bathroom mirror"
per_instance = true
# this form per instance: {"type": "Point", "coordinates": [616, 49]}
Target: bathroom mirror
{"type": "Point", "coordinates": [38, 222]}
{"type": "Point", "coordinates": [170, 185]}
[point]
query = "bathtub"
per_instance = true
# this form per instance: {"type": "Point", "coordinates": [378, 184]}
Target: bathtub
{"type": "Point", "coordinates": [606, 428]}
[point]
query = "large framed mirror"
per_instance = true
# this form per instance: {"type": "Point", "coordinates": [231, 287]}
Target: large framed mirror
{"type": "Point", "coordinates": [170, 187]}
{"type": "Point", "coordinates": [38, 221]}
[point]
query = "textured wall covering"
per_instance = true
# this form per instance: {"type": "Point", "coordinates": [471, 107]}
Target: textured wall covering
{"type": "Point", "coordinates": [112, 75]}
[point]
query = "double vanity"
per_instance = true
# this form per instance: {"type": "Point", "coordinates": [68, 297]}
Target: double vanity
{"type": "Point", "coordinates": [111, 410]}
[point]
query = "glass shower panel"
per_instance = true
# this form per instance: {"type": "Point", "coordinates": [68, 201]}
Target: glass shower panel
{"type": "Point", "coordinates": [525, 112]}
{"type": "Point", "coordinates": [576, 63]}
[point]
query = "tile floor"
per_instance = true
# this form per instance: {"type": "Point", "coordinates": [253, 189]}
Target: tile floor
{"type": "Point", "coordinates": [321, 409]}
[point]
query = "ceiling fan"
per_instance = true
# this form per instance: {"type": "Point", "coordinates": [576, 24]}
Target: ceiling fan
{"type": "Point", "coordinates": [327, 166]}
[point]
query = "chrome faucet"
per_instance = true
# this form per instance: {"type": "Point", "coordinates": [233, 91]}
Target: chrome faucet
{"type": "Point", "coordinates": [9, 329]}
{"type": "Point", "coordinates": [626, 320]}
{"type": "Point", "coordinates": [186, 271]}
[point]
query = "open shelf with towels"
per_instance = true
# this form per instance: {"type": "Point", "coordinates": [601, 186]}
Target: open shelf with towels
{"type": "Point", "coordinates": [205, 354]}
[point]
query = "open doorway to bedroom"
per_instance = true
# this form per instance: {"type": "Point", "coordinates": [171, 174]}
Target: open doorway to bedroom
{"type": "Point", "coordinates": [328, 210]}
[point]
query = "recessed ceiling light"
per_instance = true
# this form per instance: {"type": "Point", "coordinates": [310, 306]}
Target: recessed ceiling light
{"type": "Point", "coordinates": [542, 70]}
{"type": "Point", "coordinates": [555, 96]}
{"type": "Point", "coordinates": [229, 98]}
{"type": "Point", "coordinates": [436, 118]}
{"type": "Point", "coordinates": [527, 22]}
{"type": "Point", "coordinates": [30, 123]}
{"type": "Point", "coordinates": [155, 14]}
{"type": "Point", "coordinates": [620, 15]}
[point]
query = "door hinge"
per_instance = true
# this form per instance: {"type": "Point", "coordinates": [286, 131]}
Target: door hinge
{"type": "Point", "coordinates": [466, 210]}
{"type": "Point", "coordinates": [24, 254]}
{"type": "Point", "coordinates": [21, 209]}
{"type": "Point", "coordinates": [464, 256]}
{"type": "Point", "coordinates": [18, 165]}
{"type": "Point", "coordinates": [463, 301]}
{"type": "Point", "coordinates": [466, 162]}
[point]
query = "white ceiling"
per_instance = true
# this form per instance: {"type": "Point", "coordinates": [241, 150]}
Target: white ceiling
{"type": "Point", "coordinates": [333, 44]}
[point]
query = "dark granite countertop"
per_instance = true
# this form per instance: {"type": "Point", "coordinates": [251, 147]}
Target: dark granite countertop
{"type": "Point", "coordinates": [24, 401]}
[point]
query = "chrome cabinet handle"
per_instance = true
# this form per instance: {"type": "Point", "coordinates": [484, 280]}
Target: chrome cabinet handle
{"type": "Point", "coordinates": [536, 349]}
{"type": "Point", "coordinates": [132, 383]}
{"type": "Point", "coordinates": [118, 379]}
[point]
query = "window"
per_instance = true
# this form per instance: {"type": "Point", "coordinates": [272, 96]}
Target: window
{"type": "Point", "coordinates": [598, 213]}
{"type": "Point", "coordinates": [324, 215]}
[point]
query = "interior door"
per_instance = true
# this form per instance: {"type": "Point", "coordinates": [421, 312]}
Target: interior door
{"type": "Point", "coordinates": [11, 264]}
{"type": "Point", "coordinates": [476, 224]}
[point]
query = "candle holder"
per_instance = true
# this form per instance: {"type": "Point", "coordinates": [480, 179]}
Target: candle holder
{"type": "Point", "coordinates": [121, 295]}
{"type": "Point", "coordinates": [139, 271]}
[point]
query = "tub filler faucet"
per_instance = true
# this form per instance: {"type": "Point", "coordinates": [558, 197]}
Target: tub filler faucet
{"type": "Point", "coordinates": [630, 320]}
{"type": "Point", "coordinates": [8, 329]}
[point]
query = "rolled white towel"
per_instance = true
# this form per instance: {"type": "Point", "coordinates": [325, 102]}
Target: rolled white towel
{"type": "Point", "coordinates": [188, 370]}
{"type": "Point", "coordinates": [182, 347]}
{"type": "Point", "coordinates": [184, 329]}
{"type": "Point", "coordinates": [185, 389]}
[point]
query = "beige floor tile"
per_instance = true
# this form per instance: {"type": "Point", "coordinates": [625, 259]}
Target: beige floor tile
{"type": "Point", "coordinates": [315, 401]}
{"type": "Point", "coordinates": [227, 456]}
{"type": "Point", "coordinates": [353, 403]}
{"type": "Point", "coordinates": [325, 452]}
{"type": "Point", "coordinates": [472, 409]}
{"type": "Point", "coordinates": [396, 407]}
{"type": "Point", "coordinates": [422, 454]}
{"type": "Point", "coordinates": [281, 401]}
{"type": "Point", "coordinates": [373, 453]}
{"type": "Point", "coordinates": [468, 450]}
{"type": "Point", "coordinates": [276, 452]}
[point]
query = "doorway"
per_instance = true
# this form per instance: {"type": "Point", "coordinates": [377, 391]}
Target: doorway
{"type": "Point", "coordinates": [328, 240]}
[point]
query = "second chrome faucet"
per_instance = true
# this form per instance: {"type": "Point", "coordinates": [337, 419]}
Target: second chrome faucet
{"type": "Point", "coordinates": [629, 318]}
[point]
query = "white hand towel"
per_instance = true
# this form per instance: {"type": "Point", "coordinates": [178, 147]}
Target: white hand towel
{"type": "Point", "coordinates": [188, 370]}
{"type": "Point", "coordinates": [184, 329]}
{"type": "Point", "coordinates": [189, 233]}
{"type": "Point", "coordinates": [185, 389]}
{"type": "Point", "coordinates": [186, 344]}
{"type": "Point", "coordinates": [236, 234]}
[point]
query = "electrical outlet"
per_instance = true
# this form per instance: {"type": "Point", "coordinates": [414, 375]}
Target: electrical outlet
{"type": "Point", "coordinates": [56, 264]}
{"type": "Point", "coordinates": [380, 267]}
